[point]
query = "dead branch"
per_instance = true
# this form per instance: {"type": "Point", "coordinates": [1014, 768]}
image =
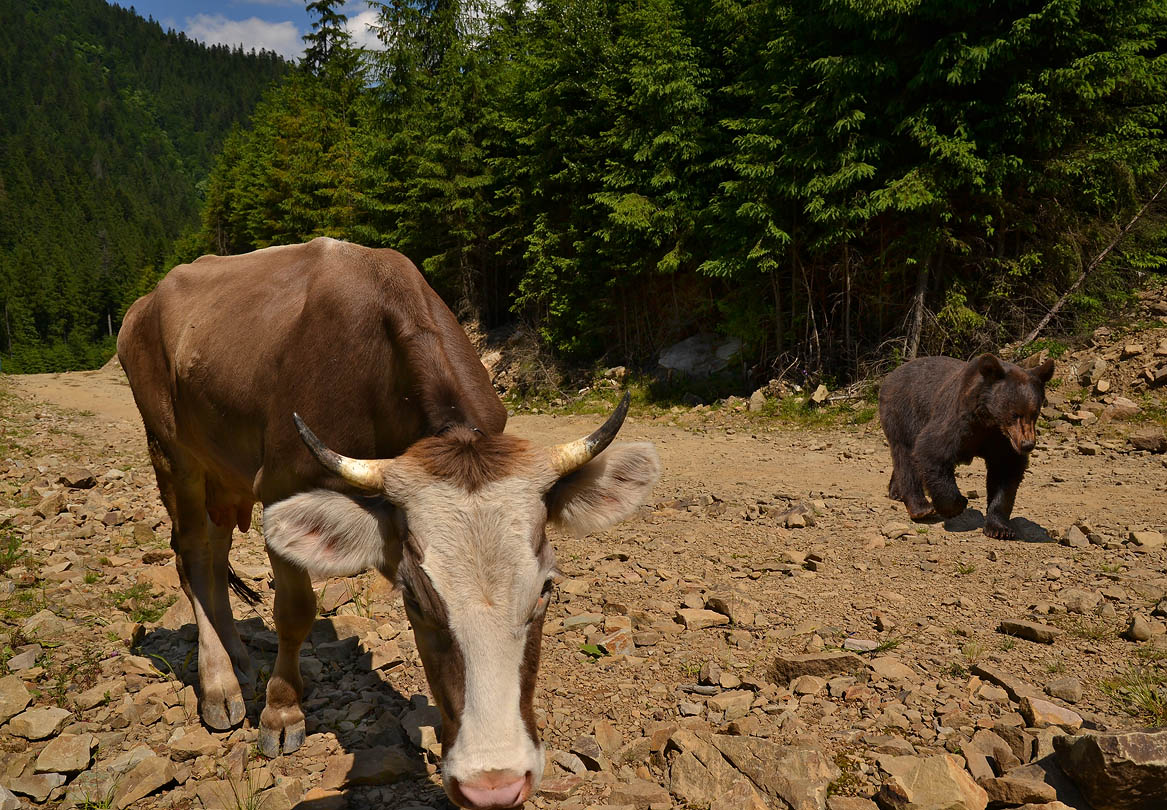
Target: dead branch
{"type": "Point", "coordinates": [1090, 267]}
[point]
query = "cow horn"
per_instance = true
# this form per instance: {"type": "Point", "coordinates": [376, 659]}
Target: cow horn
{"type": "Point", "coordinates": [368, 475]}
{"type": "Point", "coordinates": [569, 457]}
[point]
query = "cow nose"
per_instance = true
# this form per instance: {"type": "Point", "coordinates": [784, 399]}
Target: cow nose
{"type": "Point", "coordinates": [493, 790]}
{"type": "Point", "coordinates": [1027, 445]}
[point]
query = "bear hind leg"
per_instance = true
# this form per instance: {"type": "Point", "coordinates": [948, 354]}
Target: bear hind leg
{"type": "Point", "coordinates": [905, 484]}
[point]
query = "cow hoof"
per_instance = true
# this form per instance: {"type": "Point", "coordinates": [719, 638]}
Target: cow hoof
{"type": "Point", "coordinates": [270, 739]}
{"type": "Point", "coordinates": [922, 514]}
{"type": "Point", "coordinates": [224, 713]}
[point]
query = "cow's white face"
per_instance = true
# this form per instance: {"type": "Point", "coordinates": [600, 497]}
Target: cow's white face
{"type": "Point", "coordinates": [460, 529]}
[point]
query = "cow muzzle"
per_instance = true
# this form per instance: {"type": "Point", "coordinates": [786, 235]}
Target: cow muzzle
{"type": "Point", "coordinates": [492, 790]}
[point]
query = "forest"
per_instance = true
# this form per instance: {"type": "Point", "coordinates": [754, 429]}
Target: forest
{"type": "Point", "coordinates": [838, 184]}
{"type": "Point", "coordinates": [109, 130]}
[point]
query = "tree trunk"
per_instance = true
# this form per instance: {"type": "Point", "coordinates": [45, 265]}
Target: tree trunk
{"type": "Point", "coordinates": [916, 326]}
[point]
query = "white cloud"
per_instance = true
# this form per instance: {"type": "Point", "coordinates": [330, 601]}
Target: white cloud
{"type": "Point", "coordinates": [281, 37]}
{"type": "Point", "coordinates": [358, 27]}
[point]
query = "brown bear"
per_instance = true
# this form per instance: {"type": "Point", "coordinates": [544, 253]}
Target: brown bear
{"type": "Point", "coordinates": [938, 412]}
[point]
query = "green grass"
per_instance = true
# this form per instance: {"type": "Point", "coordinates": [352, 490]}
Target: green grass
{"type": "Point", "coordinates": [1140, 691]}
{"type": "Point", "coordinates": [653, 398]}
{"type": "Point", "coordinates": [139, 601]}
{"type": "Point", "coordinates": [10, 551]}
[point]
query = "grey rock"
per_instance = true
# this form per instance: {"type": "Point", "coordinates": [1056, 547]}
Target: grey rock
{"type": "Point", "coordinates": [22, 661]}
{"type": "Point", "coordinates": [1139, 629]}
{"type": "Point", "coordinates": [147, 776]}
{"type": "Point", "coordinates": [928, 783]}
{"type": "Point", "coordinates": [14, 697]}
{"type": "Point", "coordinates": [37, 724]}
{"type": "Point", "coordinates": [1068, 689]}
{"type": "Point", "coordinates": [1117, 770]}
{"type": "Point", "coordinates": [700, 355]}
{"type": "Point", "coordinates": [8, 800]}
{"type": "Point", "coordinates": [68, 753]}
{"type": "Point", "coordinates": [798, 776]}
{"type": "Point", "coordinates": [1014, 790]}
{"type": "Point", "coordinates": [1152, 440]}
{"type": "Point", "coordinates": [1032, 631]}
{"type": "Point", "coordinates": [1075, 538]}
{"type": "Point", "coordinates": [36, 786]}
{"type": "Point", "coordinates": [1042, 714]}
{"type": "Point", "coordinates": [788, 667]}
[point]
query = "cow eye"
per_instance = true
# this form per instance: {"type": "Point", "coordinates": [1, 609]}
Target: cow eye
{"type": "Point", "coordinates": [411, 603]}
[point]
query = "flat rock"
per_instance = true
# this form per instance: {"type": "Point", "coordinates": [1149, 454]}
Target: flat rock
{"type": "Point", "coordinates": [1079, 601]}
{"type": "Point", "coordinates": [699, 619]}
{"type": "Point", "coordinates": [1152, 440]}
{"type": "Point", "coordinates": [1013, 790]}
{"type": "Point", "coordinates": [68, 753]}
{"type": "Point", "coordinates": [37, 724]}
{"type": "Point", "coordinates": [700, 775]}
{"type": "Point", "coordinates": [8, 800]}
{"type": "Point", "coordinates": [1040, 713]}
{"type": "Point", "coordinates": [928, 783]}
{"type": "Point", "coordinates": [36, 786]}
{"type": "Point", "coordinates": [1068, 689]}
{"type": "Point", "coordinates": [1146, 540]}
{"type": "Point", "coordinates": [892, 669]}
{"type": "Point", "coordinates": [371, 766]}
{"type": "Point", "coordinates": [196, 742]}
{"type": "Point", "coordinates": [14, 697]}
{"type": "Point", "coordinates": [1032, 631]}
{"type": "Point", "coordinates": [147, 776]}
{"type": "Point", "coordinates": [1016, 687]}
{"type": "Point", "coordinates": [798, 776]}
{"type": "Point", "coordinates": [639, 794]}
{"type": "Point", "coordinates": [788, 667]}
{"type": "Point", "coordinates": [1117, 770]}
{"type": "Point", "coordinates": [735, 703]}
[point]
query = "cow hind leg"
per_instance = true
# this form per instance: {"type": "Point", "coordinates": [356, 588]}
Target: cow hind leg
{"type": "Point", "coordinates": [183, 492]}
{"type": "Point", "coordinates": [281, 725]}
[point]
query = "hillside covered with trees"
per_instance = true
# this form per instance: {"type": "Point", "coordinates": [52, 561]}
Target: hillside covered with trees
{"type": "Point", "coordinates": [834, 182]}
{"type": "Point", "coordinates": [837, 183]}
{"type": "Point", "coordinates": [110, 125]}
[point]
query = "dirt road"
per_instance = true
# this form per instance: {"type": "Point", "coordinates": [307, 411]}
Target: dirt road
{"type": "Point", "coordinates": [792, 529]}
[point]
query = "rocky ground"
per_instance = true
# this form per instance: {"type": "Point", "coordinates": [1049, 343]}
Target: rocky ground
{"type": "Point", "coordinates": [770, 633]}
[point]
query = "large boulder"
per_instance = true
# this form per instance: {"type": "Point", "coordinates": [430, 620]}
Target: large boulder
{"type": "Point", "coordinates": [1122, 770]}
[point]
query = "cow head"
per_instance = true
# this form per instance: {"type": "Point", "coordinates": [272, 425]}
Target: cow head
{"type": "Point", "coordinates": [457, 522]}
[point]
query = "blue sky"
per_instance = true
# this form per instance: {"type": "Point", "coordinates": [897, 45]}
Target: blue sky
{"type": "Point", "coordinates": [276, 25]}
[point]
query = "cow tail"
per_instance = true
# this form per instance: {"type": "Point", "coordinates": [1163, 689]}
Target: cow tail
{"type": "Point", "coordinates": [241, 588]}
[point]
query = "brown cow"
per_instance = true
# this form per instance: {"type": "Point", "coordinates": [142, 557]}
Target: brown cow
{"type": "Point", "coordinates": [219, 357]}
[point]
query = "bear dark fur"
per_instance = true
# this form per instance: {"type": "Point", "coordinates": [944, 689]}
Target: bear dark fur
{"type": "Point", "coordinates": [938, 412]}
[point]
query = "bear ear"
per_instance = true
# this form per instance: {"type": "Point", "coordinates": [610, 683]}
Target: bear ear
{"type": "Point", "coordinates": [989, 367]}
{"type": "Point", "coordinates": [1045, 371]}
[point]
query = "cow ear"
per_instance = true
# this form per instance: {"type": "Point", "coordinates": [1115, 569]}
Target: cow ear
{"type": "Point", "coordinates": [330, 534]}
{"type": "Point", "coordinates": [1045, 371]}
{"type": "Point", "coordinates": [606, 490]}
{"type": "Point", "coordinates": [989, 367]}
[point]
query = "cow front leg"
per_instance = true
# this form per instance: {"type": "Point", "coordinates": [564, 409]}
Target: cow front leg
{"type": "Point", "coordinates": [220, 698]}
{"type": "Point", "coordinates": [224, 618]}
{"type": "Point", "coordinates": [281, 725]}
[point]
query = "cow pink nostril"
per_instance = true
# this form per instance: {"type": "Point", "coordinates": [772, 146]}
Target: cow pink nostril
{"type": "Point", "coordinates": [494, 791]}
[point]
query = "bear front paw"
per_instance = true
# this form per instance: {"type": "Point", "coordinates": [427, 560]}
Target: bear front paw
{"type": "Point", "coordinates": [947, 508]}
